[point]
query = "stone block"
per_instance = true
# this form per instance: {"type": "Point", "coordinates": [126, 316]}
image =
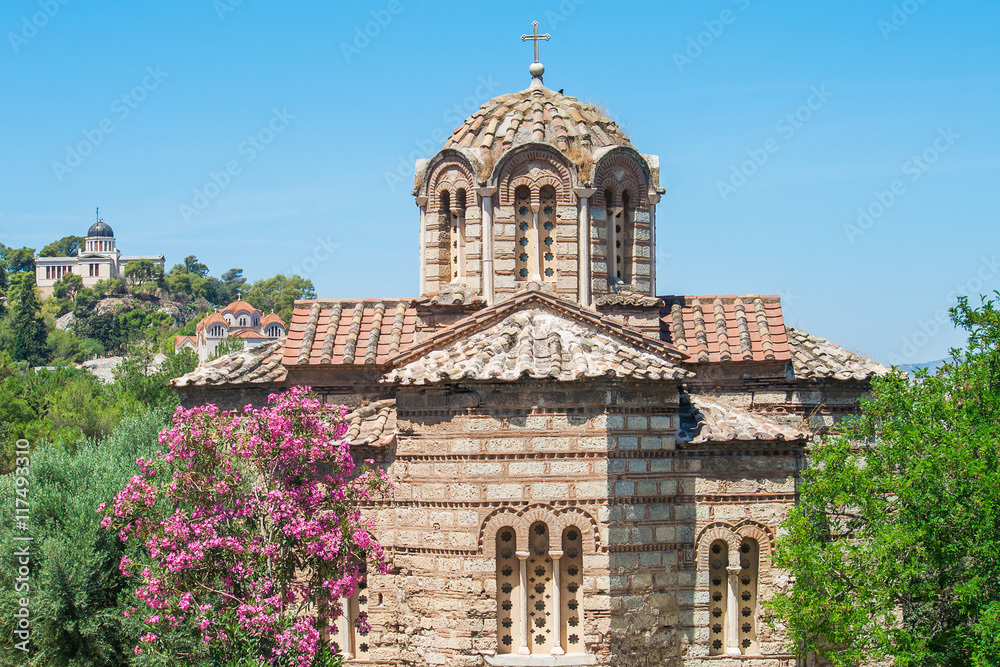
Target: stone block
{"type": "Point", "coordinates": [526, 468]}
{"type": "Point", "coordinates": [628, 443]}
{"type": "Point", "coordinates": [504, 492]}
{"type": "Point", "coordinates": [549, 490]}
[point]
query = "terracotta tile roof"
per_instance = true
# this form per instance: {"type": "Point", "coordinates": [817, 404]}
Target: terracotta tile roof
{"type": "Point", "coordinates": [349, 331]}
{"type": "Point", "coordinates": [629, 299]}
{"type": "Point", "coordinates": [704, 419]}
{"type": "Point", "coordinates": [271, 318]}
{"type": "Point", "coordinates": [180, 340]}
{"type": "Point", "coordinates": [213, 318]}
{"type": "Point", "coordinates": [248, 334]}
{"type": "Point", "coordinates": [817, 358]}
{"type": "Point", "coordinates": [237, 306]}
{"type": "Point", "coordinates": [372, 424]}
{"type": "Point", "coordinates": [538, 336]}
{"type": "Point", "coordinates": [536, 114]}
{"type": "Point", "coordinates": [725, 328]}
{"type": "Point", "coordinates": [256, 365]}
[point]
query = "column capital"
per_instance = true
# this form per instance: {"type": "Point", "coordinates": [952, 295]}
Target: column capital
{"type": "Point", "coordinates": [421, 200]}
{"type": "Point", "coordinates": [523, 554]}
{"type": "Point", "coordinates": [555, 555]}
{"type": "Point", "coordinates": [486, 191]}
{"type": "Point", "coordinates": [584, 193]}
{"type": "Point", "coordinates": [654, 197]}
{"type": "Point", "coordinates": [734, 569]}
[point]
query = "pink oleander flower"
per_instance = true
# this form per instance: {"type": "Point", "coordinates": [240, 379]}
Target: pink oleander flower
{"type": "Point", "coordinates": [243, 517]}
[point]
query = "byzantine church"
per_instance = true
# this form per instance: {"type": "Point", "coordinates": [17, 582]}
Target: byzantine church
{"type": "Point", "coordinates": [585, 471]}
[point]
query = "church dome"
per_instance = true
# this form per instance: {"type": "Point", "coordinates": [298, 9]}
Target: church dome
{"type": "Point", "coordinates": [537, 114]}
{"type": "Point", "coordinates": [100, 229]}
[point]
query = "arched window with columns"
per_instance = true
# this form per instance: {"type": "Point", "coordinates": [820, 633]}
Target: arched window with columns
{"type": "Point", "coordinates": [732, 561]}
{"type": "Point", "coordinates": [540, 585]}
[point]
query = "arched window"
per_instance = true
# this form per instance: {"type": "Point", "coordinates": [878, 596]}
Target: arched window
{"type": "Point", "coordinates": [243, 321]}
{"type": "Point", "coordinates": [458, 236]}
{"type": "Point", "coordinates": [718, 594]}
{"type": "Point", "coordinates": [571, 591]}
{"type": "Point", "coordinates": [749, 566]}
{"type": "Point", "coordinates": [256, 321]}
{"type": "Point", "coordinates": [525, 252]}
{"type": "Point", "coordinates": [623, 243]}
{"type": "Point", "coordinates": [547, 232]}
{"type": "Point", "coordinates": [540, 593]}
{"type": "Point", "coordinates": [508, 592]}
{"type": "Point", "coordinates": [444, 218]}
{"type": "Point", "coordinates": [612, 224]}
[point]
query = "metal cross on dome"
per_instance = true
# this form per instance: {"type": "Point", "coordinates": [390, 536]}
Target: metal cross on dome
{"type": "Point", "coordinates": [535, 37]}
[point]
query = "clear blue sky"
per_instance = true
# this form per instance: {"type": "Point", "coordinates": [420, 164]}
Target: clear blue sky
{"type": "Point", "coordinates": [895, 79]}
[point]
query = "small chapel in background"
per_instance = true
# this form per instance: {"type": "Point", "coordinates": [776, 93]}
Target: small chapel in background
{"type": "Point", "coordinates": [237, 320]}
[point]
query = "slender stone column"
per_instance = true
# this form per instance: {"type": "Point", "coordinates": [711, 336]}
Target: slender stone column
{"type": "Point", "coordinates": [458, 234]}
{"type": "Point", "coordinates": [536, 240]}
{"type": "Point", "coordinates": [523, 557]}
{"type": "Point", "coordinates": [557, 648]}
{"type": "Point", "coordinates": [583, 236]}
{"type": "Point", "coordinates": [733, 608]}
{"type": "Point", "coordinates": [654, 199]}
{"type": "Point", "coordinates": [486, 194]}
{"type": "Point", "coordinates": [422, 203]}
{"type": "Point", "coordinates": [346, 630]}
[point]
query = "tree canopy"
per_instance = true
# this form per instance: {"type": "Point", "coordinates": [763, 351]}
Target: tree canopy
{"type": "Point", "coordinates": [895, 544]}
{"type": "Point", "coordinates": [67, 246]}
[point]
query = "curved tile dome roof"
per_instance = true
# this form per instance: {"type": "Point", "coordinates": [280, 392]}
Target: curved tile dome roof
{"type": "Point", "coordinates": [537, 114]}
{"type": "Point", "coordinates": [100, 229]}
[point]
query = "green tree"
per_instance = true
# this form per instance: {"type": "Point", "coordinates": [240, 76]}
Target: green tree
{"type": "Point", "coordinates": [67, 246]}
{"type": "Point", "coordinates": [68, 286]}
{"type": "Point", "coordinates": [228, 346]}
{"type": "Point", "coordinates": [234, 278]}
{"type": "Point", "coordinates": [78, 596]}
{"type": "Point", "coordinates": [28, 334]}
{"type": "Point", "coordinates": [279, 294]}
{"type": "Point", "coordinates": [17, 260]}
{"type": "Point", "coordinates": [141, 271]}
{"type": "Point", "coordinates": [895, 543]}
{"type": "Point", "coordinates": [192, 265]}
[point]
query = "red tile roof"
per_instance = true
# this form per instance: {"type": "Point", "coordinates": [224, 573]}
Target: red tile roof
{"type": "Point", "coordinates": [213, 318]}
{"type": "Point", "coordinates": [725, 328]}
{"type": "Point", "coordinates": [237, 306]}
{"type": "Point", "coordinates": [349, 331]}
{"type": "Point", "coordinates": [271, 318]}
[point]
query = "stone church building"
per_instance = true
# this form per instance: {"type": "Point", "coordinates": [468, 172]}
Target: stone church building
{"type": "Point", "coordinates": [586, 471]}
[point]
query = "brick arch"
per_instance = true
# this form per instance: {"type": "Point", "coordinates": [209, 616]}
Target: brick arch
{"type": "Point", "coordinates": [519, 168]}
{"type": "Point", "coordinates": [502, 518]}
{"type": "Point", "coordinates": [636, 172]}
{"type": "Point", "coordinates": [711, 533]}
{"type": "Point", "coordinates": [521, 520]}
{"type": "Point", "coordinates": [535, 186]}
{"type": "Point", "coordinates": [587, 526]}
{"type": "Point", "coordinates": [758, 532]}
{"type": "Point", "coordinates": [451, 175]}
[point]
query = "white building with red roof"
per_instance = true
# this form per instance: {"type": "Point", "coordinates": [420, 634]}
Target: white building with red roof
{"type": "Point", "coordinates": [237, 320]}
